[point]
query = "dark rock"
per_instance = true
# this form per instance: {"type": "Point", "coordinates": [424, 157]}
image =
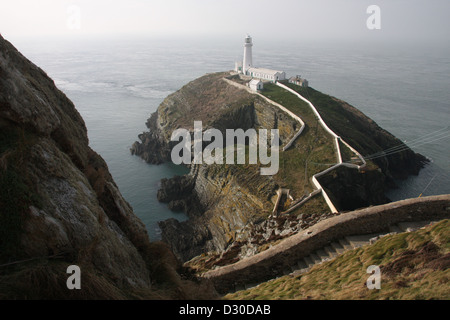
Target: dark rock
{"type": "Point", "coordinates": [69, 209]}
{"type": "Point", "coordinates": [176, 188]}
{"type": "Point", "coordinates": [349, 189]}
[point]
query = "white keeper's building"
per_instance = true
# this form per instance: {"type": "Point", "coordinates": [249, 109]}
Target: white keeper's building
{"type": "Point", "coordinates": [246, 66]}
{"type": "Point", "coordinates": [256, 84]}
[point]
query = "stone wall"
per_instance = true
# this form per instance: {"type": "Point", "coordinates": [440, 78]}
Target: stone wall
{"type": "Point", "coordinates": [272, 262]}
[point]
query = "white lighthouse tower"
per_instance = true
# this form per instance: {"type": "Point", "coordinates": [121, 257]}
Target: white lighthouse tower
{"type": "Point", "coordinates": [246, 67]}
{"type": "Point", "coordinates": [248, 60]}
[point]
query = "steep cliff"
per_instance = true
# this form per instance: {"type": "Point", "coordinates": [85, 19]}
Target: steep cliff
{"type": "Point", "coordinates": [228, 205]}
{"type": "Point", "coordinates": [59, 205]}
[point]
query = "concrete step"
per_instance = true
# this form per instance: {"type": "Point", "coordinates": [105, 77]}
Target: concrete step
{"type": "Point", "coordinates": [291, 269]}
{"type": "Point", "coordinates": [309, 261]}
{"type": "Point", "coordinates": [412, 226]}
{"type": "Point", "coordinates": [338, 248]}
{"type": "Point", "coordinates": [288, 271]}
{"type": "Point", "coordinates": [331, 251]}
{"type": "Point", "coordinates": [345, 244]}
{"type": "Point", "coordinates": [360, 240]}
{"type": "Point", "coordinates": [323, 256]}
{"type": "Point", "coordinates": [299, 272]}
{"type": "Point", "coordinates": [301, 264]}
{"type": "Point", "coordinates": [315, 258]}
{"type": "Point", "coordinates": [381, 235]}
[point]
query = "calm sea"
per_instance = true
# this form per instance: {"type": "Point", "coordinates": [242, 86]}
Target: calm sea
{"type": "Point", "coordinates": [116, 84]}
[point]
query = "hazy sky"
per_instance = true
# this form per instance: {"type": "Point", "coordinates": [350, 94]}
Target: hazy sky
{"type": "Point", "coordinates": [416, 20]}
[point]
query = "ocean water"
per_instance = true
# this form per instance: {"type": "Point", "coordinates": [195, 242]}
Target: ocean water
{"type": "Point", "coordinates": [117, 83]}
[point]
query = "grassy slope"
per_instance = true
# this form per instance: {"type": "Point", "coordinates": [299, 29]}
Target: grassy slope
{"type": "Point", "coordinates": [362, 133]}
{"type": "Point", "coordinates": [339, 119]}
{"type": "Point", "coordinates": [413, 266]}
{"type": "Point", "coordinates": [313, 146]}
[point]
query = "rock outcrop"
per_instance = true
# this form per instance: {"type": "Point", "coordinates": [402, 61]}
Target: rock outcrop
{"type": "Point", "coordinates": [349, 190]}
{"type": "Point", "coordinates": [60, 206]}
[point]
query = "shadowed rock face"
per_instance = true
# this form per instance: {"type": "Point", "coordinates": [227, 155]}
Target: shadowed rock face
{"type": "Point", "coordinates": [59, 203]}
{"type": "Point", "coordinates": [350, 190]}
{"type": "Point", "coordinates": [79, 213]}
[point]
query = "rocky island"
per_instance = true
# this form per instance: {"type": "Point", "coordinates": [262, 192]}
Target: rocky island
{"type": "Point", "coordinates": [234, 212]}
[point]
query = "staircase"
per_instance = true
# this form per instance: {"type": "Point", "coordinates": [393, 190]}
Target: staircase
{"type": "Point", "coordinates": [342, 245]}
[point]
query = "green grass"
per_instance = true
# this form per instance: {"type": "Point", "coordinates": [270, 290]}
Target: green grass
{"type": "Point", "coordinates": [348, 122]}
{"type": "Point", "coordinates": [413, 266]}
{"type": "Point", "coordinates": [300, 162]}
{"type": "Point", "coordinates": [346, 153]}
{"type": "Point", "coordinates": [291, 102]}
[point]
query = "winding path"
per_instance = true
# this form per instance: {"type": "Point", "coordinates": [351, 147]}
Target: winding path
{"type": "Point", "coordinates": [336, 140]}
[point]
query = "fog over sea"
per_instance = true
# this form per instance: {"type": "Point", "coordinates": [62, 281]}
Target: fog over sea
{"type": "Point", "coordinates": [117, 83]}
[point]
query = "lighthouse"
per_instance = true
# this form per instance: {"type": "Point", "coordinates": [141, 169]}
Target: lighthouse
{"type": "Point", "coordinates": [245, 66]}
{"type": "Point", "coordinates": [248, 61]}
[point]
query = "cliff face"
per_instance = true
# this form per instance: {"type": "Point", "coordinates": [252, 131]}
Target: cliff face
{"type": "Point", "coordinates": [59, 203]}
{"type": "Point", "coordinates": [349, 190]}
{"type": "Point", "coordinates": [221, 202]}
{"type": "Point", "coordinates": [225, 202]}
{"type": "Point", "coordinates": [219, 199]}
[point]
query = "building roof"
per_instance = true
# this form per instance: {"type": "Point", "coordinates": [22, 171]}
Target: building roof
{"type": "Point", "coordinates": [263, 70]}
{"type": "Point", "coordinates": [255, 81]}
